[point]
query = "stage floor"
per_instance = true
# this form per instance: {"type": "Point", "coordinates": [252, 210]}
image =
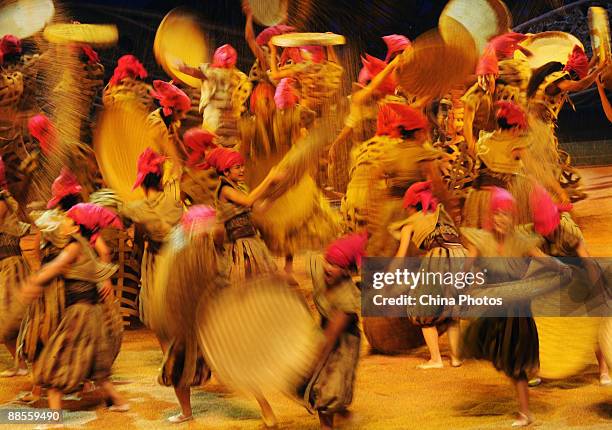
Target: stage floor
{"type": "Point", "coordinates": [390, 392]}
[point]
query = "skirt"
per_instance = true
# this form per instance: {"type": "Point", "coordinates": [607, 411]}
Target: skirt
{"type": "Point", "coordinates": [80, 349]}
{"type": "Point", "coordinates": [510, 344]}
{"type": "Point", "coordinates": [113, 325]}
{"type": "Point", "coordinates": [184, 364]}
{"type": "Point", "coordinates": [147, 283]}
{"type": "Point", "coordinates": [440, 259]}
{"type": "Point", "coordinates": [12, 272]}
{"type": "Point", "coordinates": [42, 319]}
{"type": "Point", "coordinates": [248, 257]}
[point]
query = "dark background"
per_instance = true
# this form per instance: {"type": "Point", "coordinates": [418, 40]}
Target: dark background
{"type": "Point", "coordinates": [363, 22]}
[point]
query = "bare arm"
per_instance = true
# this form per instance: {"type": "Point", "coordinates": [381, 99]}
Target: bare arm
{"type": "Point", "coordinates": [249, 35]}
{"type": "Point", "coordinates": [191, 71]}
{"type": "Point", "coordinates": [57, 266]}
{"type": "Point", "coordinates": [248, 200]}
{"type": "Point", "coordinates": [406, 235]}
{"type": "Point", "coordinates": [587, 81]}
{"type": "Point", "coordinates": [469, 113]}
{"type": "Point", "coordinates": [336, 325]}
{"type": "Point", "coordinates": [105, 256]}
{"type": "Point", "coordinates": [605, 103]}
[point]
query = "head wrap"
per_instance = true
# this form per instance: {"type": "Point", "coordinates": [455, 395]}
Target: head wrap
{"type": "Point", "coordinates": [285, 96]}
{"type": "Point", "coordinates": [295, 54]}
{"type": "Point", "coordinates": [199, 219]}
{"type": "Point", "coordinates": [263, 93]}
{"type": "Point", "coordinates": [487, 64]}
{"type": "Point", "coordinates": [42, 129]}
{"type": "Point", "coordinates": [545, 212]}
{"type": "Point", "coordinates": [94, 217]}
{"type": "Point", "coordinates": [3, 183]}
{"type": "Point", "coordinates": [170, 97]}
{"type": "Point", "coordinates": [578, 62]}
{"type": "Point", "coordinates": [198, 141]}
{"type": "Point", "coordinates": [392, 116]}
{"type": "Point", "coordinates": [92, 56]}
{"type": "Point", "coordinates": [420, 192]}
{"type": "Point", "coordinates": [347, 251]}
{"type": "Point", "coordinates": [264, 37]}
{"type": "Point", "coordinates": [225, 57]}
{"type": "Point", "coordinates": [500, 201]}
{"type": "Point", "coordinates": [395, 43]}
{"type": "Point", "coordinates": [505, 44]}
{"type": "Point", "coordinates": [9, 44]}
{"type": "Point", "coordinates": [128, 66]}
{"type": "Point", "coordinates": [148, 162]}
{"type": "Point", "coordinates": [222, 159]}
{"type": "Point", "coordinates": [64, 185]}
{"type": "Point", "coordinates": [512, 113]}
{"type": "Point", "coordinates": [372, 66]}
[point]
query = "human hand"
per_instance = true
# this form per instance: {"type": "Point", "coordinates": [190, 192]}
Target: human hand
{"type": "Point", "coordinates": [106, 290]}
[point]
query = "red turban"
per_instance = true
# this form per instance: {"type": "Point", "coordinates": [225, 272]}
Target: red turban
{"type": "Point", "coordinates": [505, 44]}
{"type": "Point", "coordinates": [395, 43]}
{"type": "Point", "coordinates": [225, 57]}
{"type": "Point", "coordinates": [170, 97]}
{"type": "Point", "coordinates": [2, 174]}
{"type": "Point", "coordinates": [372, 66]}
{"type": "Point", "coordinates": [222, 159]}
{"type": "Point", "coordinates": [199, 219]}
{"type": "Point", "coordinates": [578, 62]}
{"type": "Point", "coordinates": [94, 217]}
{"type": "Point", "coordinates": [285, 96]}
{"type": "Point", "coordinates": [487, 64]}
{"type": "Point", "coordinates": [264, 37]}
{"type": "Point", "coordinates": [92, 56]}
{"type": "Point", "coordinates": [64, 185]}
{"type": "Point", "coordinates": [392, 116]}
{"type": "Point", "coordinates": [347, 251]}
{"type": "Point", "coordinates": [512, 113]}
{"type": "Point", "coordinates": [295, 54]}
{"type": "Point", "coordinates": [263, 93]}
{"type": "Point", "coordinates": [128, 66]}
{"type": "Point", "coordinates": [198, 141]}
{"type": "Point", "coordinates": [42, 129]}
{"type": "Point", "coordinates": [420, 192]}
{"type": "Point", "coordinates": [9, 44]}
{"type": "Point", "coordinates": [545, 212]}
{"type": "Point", "coordinates": [148, 162]}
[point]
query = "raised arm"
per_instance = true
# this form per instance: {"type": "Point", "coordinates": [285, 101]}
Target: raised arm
{"type": "Point", "coordinates": [57, 266]}
{"type": "Point", "coordinates": [191, 71]}
{"type": "Point", "coordinates": [605, 103]}
{"type": "Point", "coordinates": [249, 35]}
{"type": "Point", "coordinates": [250, 199]}
{"type": "Point", "coordinates": [406, 235]}
{"type": "Point", "coordinates": [587, 81]}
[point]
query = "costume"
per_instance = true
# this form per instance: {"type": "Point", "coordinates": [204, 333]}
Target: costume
{"type": "Point", "coordinates": [126, 84]}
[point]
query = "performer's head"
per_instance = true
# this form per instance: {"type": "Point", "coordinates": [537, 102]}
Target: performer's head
{"type": "Point", "coordinates": [296, 55]}
{"type": "Point", "coordinates": [87, 54]}
{"type": "Point", "coordinates": [401, 121]}
{"type": "Point", "coordinates": [225, 57]}
{"type": "Point", "coordinates": [510, 116]}
{"type": "Point", "coordinates": [502, 211]}
{"type": "Point", "coordinates": [505, 44]}
{"type": "Point", "coordinates": [150, 171]}
{"type": "Point", "coordinates": [419, 197]}
{"type": "Point", "coordinates": [174, 102]}
{"type": "Point", "coordinates": [10, 48]}
{"type": "Point", "coordinates": [396, 44]}
{"type": "Point", "coordinates": [128, 66]}
{"type": "Point", "coordinates": [545, 212]}
{"type": "Point", "coordinates": [577, 64]}
{"type": "Point", "coordinates": [228, 163]}
{"type": "Point", "coordinates": [372, 66]}
{"type": "Point", "coordinates": [42, 129]}
{"type": "Point", "coordinates": [199, 143]}
{"type": "Point", "coordinates": [285, 96]}
{"type": "Point", "coordinates": [65, 191]}
{"type": "Point", "coordinates": [91, 219]}
{"type": "Point", "coordinates": [343, 256]}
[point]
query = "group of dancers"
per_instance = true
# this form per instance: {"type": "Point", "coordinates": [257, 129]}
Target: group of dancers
{"type": "Point", "coordinates": [219, 201]}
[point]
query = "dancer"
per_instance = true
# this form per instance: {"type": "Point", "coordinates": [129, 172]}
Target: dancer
{"type": "Point", "coordinates": [127, 84]}
{"type": "Point", "coordinates": [431, 230]}
{"type": "Point", "coordinates": [82, 333]}
{"type": "Point", "coordinates": [337, 298]}
{"type": "Point", "coordinates": [198, 182]}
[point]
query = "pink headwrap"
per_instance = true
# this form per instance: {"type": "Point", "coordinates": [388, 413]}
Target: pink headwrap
{"type": "Point", "coordinates": [262, 94]}
{"type": "Point", "coordinates": [199, 219]}
{"type": "Point", "coordinates": [222, 159]}
{"type": "Point", "coordinates": [9, 44]}
{"type": "Point", "coordinates": [225, 57]}
{"type": "Point", "coordinates": [395, 43]}
{"type": "Point", "coordinates": [505, 44]}
{"type": "Point", "coordinates": [285, 96]}
{"type": "Point", "coordinates": [198, 141]}
{"type": "Point", "coordinates": [578, 62]}
{"type": "Point", "coordinates": [94, 217]}
{"type": "Point", "coordinates": [170, 97]}
{"type": "Point", "coordinates": [3, 183]}
{"type": "Point", "coordinates": [42, 129]}
{"type": "Point", "coordinates": [128, 66]}
{"type": "Point", "coordinates": [264, 37]}
{"type": "Point", "coordinates": [420, 192]}
{"type": "Point", "coordinates": [372, 66]}
{"type": "Point", "coordinates": [545, 212]}
{"type": "Point", "coordinates": [347, 251]}
{"type": "Point", "coordinates": [148, 162]}
{"type": "Point", "coordinates": [64, 185]}
{"type": "Point", "coordinates": [392, 116]}
{"type": "Point", "coordinates": [487, 64]}
{"type": "Point", "coordinates": [513, 113]}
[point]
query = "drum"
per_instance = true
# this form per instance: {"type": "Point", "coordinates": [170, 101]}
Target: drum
{"type": "Point", "coordinates": [294, 40]}
{"type": "Point", "coordinates": [269, 12]}
{"type": "Point", "coordinates": [23, 18]}
{"type": "Point", "coordinates": [96, 35]}
{"type": "Point", "coordinates": [550, 46]}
